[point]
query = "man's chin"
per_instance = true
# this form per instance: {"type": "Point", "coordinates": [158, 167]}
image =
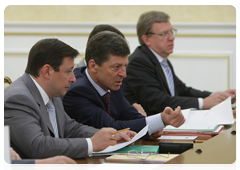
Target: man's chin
{"type": "Point", "coordinates": [115, 88]}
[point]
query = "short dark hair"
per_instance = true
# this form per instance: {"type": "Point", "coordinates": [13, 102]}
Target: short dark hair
{"type": "Point", "coordinates": [48, 51]}
{"type": "Point", "coordinates": [104, 43]}
{"type": "Point", "coordinates": [146, 21]}
{"type": "Point", "coordinates": [104, 27]}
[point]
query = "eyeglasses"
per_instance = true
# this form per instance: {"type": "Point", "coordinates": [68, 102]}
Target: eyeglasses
{"type": "Point", "coordinates": [166, 34]}
{"type": "Point", "coordinates": [144, 154]}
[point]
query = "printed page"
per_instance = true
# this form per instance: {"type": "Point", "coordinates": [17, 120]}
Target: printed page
{"type": "Point", "coordinates": [121, 145]}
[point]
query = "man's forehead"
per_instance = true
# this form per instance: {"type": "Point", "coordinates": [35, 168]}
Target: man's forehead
{"type": "Point", "coordinates": [116, 60]}
{"type": "Point", "coordinates": [162, 25]}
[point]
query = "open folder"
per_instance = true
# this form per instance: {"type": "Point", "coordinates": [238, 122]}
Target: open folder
{"type": "Point", "coordinates": [205, 120]}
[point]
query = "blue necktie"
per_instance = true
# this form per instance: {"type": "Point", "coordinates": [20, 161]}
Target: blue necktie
{"type": "Point", "coordinates": [169, 77]}
{"type": "Point", "coordinates": [52, 117]}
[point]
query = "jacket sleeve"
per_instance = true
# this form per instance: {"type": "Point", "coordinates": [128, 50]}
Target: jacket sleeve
{"type": "Point", "coordinates": [26, 164]}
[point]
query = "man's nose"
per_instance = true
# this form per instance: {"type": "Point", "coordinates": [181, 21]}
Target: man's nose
{"type": "Point", "coordinates": [73, 78]}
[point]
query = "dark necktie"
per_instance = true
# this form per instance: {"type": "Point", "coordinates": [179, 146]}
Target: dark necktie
{"type": "Point", "coordinates": [106, 99]}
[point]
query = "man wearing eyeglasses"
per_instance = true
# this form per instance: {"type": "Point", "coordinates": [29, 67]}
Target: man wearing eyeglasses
{"type": "Point", "coordinates": [151, 80]}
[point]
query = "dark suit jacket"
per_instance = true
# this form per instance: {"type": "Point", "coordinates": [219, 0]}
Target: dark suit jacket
{"type": "Point", "coordinates": [31, 131]}
{"type": "Point", "coordinates": [24, 164]}
{"type": "Point", "coordinates": [146, 84]}
{"type": "Point", "coordinates": [83, 103]}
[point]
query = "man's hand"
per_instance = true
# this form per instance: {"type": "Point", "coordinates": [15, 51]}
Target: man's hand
{"type": "Point", "coordinates": [156, 134]}
{"type": "Point", "coordinates": [232, 92]}
{"type": "Point", "coordinates": [104, 138]}
{"type": "Point", "coordinates": [14, 155]}
{"type": "Point", "coordinates": [139, 108]}
{"type": "Point", "coordinates": [174, 118]}
{"type": "Point", "coordinates": [125, 136]}
{"type": "Point", "coordinates": [56, 163]}
{"type": "Point", "coordinates": [218, 97]}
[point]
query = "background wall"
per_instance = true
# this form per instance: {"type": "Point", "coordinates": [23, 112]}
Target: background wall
{"type": "Point", "coordinates": [204, 46]}
{"type": "Point", "coordinates": [118, 13]}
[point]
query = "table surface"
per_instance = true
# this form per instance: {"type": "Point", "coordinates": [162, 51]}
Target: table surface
{"type": "Point", "coordinates": [220, 149]}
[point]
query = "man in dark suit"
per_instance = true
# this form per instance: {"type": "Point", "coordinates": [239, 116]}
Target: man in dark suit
{"type": "Point", "coordinates": [39, 126]}
{"type": "Point", "coordinates": [106, 27]}
{"type": "Point", "coordinates": [96, 99]}
{"type": "Point", "coordinates": [151, 80]}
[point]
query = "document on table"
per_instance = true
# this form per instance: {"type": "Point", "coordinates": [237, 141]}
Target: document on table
{"type": "Point", "coordinates": [178, 137]}
{"type": "Point", "coordinates": [121, 145]}
{"type": "Point", "coordinates": [117, 166]}
{"type": "Point", "coordinates": [206, 120]}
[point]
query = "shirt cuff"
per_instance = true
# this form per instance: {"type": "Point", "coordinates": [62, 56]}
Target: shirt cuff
{"type": "Point", "coordinates": [90, 146]}
{"type": "Point", "coordinates": [200, 103]}
{"type": "Point", "coordinates": [155, 123]}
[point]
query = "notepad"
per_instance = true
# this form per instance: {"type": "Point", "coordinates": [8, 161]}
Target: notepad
{"type": "Point", "coordinates": [151, 158]}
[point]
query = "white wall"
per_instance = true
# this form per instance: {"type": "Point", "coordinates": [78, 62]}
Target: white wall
{"type": "Point", "coordinates": [204, 54]}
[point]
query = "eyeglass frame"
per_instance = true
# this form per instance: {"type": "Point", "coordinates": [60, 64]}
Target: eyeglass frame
{"type": "Point", "coordinates": [165, 34]}
{"type": "Point", "coordinates": [138, 155]}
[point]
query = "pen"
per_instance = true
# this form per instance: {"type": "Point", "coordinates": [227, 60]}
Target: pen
{"type": "Point", "coordinates": [123, 130]}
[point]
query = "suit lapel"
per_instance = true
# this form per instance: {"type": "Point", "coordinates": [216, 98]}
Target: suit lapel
{"type": "Point", "coordinates": [160, 74]}
{"type": "Point", "coordinates": [96, 92]}
{"type": "Point", "coordinates": [38, 98]}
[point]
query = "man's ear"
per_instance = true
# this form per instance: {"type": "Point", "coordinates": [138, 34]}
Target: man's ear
{"type": "Point", "coordinates": [46, 71]}
{"type": "Point", "coordinates": [145, 39]}
{"type": "Point", "coordinates": [92, 66]}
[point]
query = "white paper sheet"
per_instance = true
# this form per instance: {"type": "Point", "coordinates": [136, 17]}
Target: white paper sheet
{"type": "Point", "coordinates": [178, 137]}
{"type": "Point", "coordinates": [118, 166]}
{"type": "Point", "coordinates": [220, 114]}
{"type": "Point", "coordinates": [121, 145]}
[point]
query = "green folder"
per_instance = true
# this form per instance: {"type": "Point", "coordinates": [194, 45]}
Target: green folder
{"type": "Point", "coordinates": [138, 148]}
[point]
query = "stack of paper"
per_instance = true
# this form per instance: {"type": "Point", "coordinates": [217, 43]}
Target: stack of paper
{"type": "Point", "coordinates": [141, 158]}
{"type": "Point", "coordinates": [177, 139]}
{"type": "Point", "coordinates": [204, 122]}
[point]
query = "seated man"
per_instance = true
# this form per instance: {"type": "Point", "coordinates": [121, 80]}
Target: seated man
{"type": "Point", "coordinates": [40, 128]}
{"type": "Point", "coordinates": [96, 99]}
{"type": "Point", "coordinates": [151, 80]}
{"type": "Point", "coordinates": [105, 27]}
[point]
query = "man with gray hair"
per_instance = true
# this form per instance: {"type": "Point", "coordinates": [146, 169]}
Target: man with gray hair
{"type": "Point", "coordinates": [151, 80]}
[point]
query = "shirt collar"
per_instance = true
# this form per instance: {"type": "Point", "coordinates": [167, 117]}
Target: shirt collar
{"type": "Point", "coordinates": [95, 85]}
{"type": "Point", "coordinates": [42, 92]}
{"type": "Point", "coordinates": [159, 58]}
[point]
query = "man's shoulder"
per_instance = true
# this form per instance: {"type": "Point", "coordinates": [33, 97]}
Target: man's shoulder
{"type": "Point", "coordinates": [139, 54]}
{"type": "Point", "coordinates": [17, 87]}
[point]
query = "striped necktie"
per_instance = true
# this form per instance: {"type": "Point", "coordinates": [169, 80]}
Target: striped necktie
{"type": "Point", "coordinates": [52, 117]}
{"type": "Point", "coordinates": [106, 99]}
{"type": "Point", "coordinates": [169, 77]}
